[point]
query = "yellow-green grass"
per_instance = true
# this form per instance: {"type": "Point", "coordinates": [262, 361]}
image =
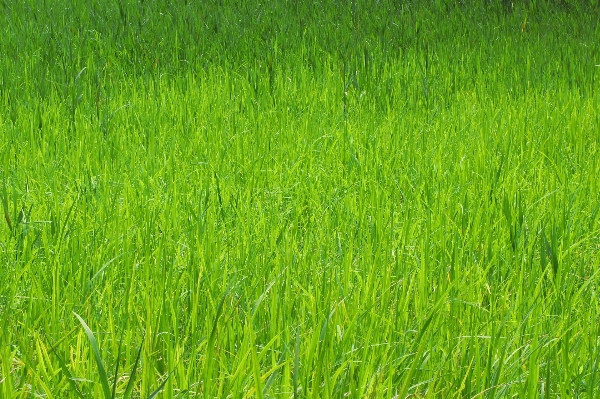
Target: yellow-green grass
{"type": "Point", "coordinates": [316, 199]}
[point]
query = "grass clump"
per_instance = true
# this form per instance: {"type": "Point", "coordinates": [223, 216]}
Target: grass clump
{"type": "Point", "coordinates": [299, 199]}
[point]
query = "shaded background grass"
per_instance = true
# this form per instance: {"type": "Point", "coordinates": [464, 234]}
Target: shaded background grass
{"type": "Point", "coordinates": [307, 199]}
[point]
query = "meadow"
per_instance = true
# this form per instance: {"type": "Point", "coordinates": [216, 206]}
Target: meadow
{"type": "Point", "coordinates": [299, 199]}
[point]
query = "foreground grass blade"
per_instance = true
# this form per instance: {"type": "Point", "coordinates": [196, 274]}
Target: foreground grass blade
{"type": "Point", "coordinates": [421, 348]}
{"type": "Point", "coordinates": [101, 370]}
{"type": "Point", "coordinates": [160, 388]}
{"type": "Point", "coordinates": [5, 207]}
{"type": "Point", "coordinates": [255, 364]}
{"type": "Point", "coordinates": [130, 384]}
{"type": "Point", "coordinates": [67, 372]}
{"type": "Point", "coordinates": [296, 365]}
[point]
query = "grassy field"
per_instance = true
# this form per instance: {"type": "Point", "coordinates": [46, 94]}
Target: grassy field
{"type": "Point", "coordinates": [299, 199]}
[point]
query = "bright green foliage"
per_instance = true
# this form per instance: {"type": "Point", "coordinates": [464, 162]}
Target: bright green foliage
{"type": "Point", "coordinates": [299, 199]}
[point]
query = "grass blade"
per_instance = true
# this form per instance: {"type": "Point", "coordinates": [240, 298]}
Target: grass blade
{"type": "Point", "coordinates": [97, 357]}
{"type": "Point", "coordinates": [5, 208]}
{"type": "Point", "coordinates": [67, 373]}
{"type": "Point", "coordinates": [160, 388]}
{"type": "Point", "coordinates": [296, 364]}
{"type": "Point", "coordinates": [421, 348]}
{"type": "Point", "coordinates": [129, 388]}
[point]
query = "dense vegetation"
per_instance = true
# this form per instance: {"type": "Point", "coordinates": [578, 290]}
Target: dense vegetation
{"type": "Point", "coordinates": [299, 199]}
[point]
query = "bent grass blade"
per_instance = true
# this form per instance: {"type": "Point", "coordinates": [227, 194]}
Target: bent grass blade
{"type": "Point", "coordinates": [97, 357]}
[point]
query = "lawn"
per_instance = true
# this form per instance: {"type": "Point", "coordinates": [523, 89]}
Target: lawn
{"type": "Point", "coordinates": [299, 199]}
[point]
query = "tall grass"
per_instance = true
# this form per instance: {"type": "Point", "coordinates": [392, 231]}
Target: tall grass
{"type": "Point", "coordinates": [299, 199]}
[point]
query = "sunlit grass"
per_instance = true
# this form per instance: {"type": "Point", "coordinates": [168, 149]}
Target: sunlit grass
{"type": "Point", "coordinates": [299, 200]}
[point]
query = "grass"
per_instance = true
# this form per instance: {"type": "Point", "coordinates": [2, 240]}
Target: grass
{"type": "Point", "coordinates": [299, 199]}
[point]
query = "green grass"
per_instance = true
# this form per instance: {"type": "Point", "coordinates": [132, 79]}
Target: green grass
{"type": "Point", "coordinates": [299, 199]}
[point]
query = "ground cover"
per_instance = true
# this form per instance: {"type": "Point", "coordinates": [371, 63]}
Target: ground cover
{"type": "Point", "coordinates": [299, 199]}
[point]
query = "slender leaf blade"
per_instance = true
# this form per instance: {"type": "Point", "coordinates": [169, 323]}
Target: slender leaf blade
{"type": "Point", "coordinates": [101, 370]}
